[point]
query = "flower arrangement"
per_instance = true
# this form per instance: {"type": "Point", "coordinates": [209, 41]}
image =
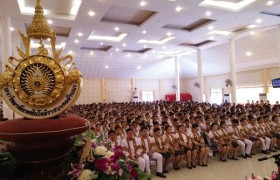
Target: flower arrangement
{"type": "Point", "coordinates": [100, 161]}
{"type": "Point", "coordinates": [273, 176]}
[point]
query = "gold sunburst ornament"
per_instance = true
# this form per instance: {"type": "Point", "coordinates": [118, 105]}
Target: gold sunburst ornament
{"type": "Point", "coordinates": [37, 85]}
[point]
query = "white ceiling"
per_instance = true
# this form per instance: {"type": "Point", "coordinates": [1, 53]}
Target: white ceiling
{"type": "Point", "coordinates": [263, 45]}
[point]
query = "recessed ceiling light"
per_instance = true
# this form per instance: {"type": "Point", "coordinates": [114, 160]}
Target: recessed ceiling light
{"type": "Point", "coordinates": [117, 28]}
{"type": "Point", "coordinates": [91, 52]}
{"type": "Point", "coordinates": [258, 21]}
{"type": "Point", "coordinates": [111, 54]}
{"type": "Point", "coordinates": [80, 34]}
{"type": "Point", "coordinates": [252, 33]}
{"type": "Point", "coordinates": [106, 66]}
{"type": "Point", "coordinates": [70, 52]}
{"type": "Point", "coordinates": [145, 46]}
{"type": "Point", "coordinates": [91, 13]}
{"type": "Point", "coordinates": [101, 43]}
{"type": "Point", "coordinates": [50, 21]}
{"type": "Point", "coordinates": [143, 3]}
{"type": "Point", "coordinates": [146, 55]}
{"type": "Point", "coordinates": [124, 45]}
{"type": "Point", "coordinates": [138, 67]}
{"type": "Point", "coordinates": [144, 31]}
{"type": "Point", "coordinates": [178, 8]}
{"type": "Point", "coordinates": [76, 41]}
{"type": "Point", "coordinates": [211, 28]}
{"type": "Point", "coordinates": [211, 38]}
{"type": "Point", "coordinates": [163, 47]}
{"type": "Point", "coordinates": [169, 33]}
{"type": "Point", "coordinates": [172, 0]}
{"type": "Point", "coordinates": [248, 53]}
{"type": "Point", "coordinates": [117, 49]}
{"type": "Point", "coordinates": [12, 29]}
{"type": "Point", "coordinates": [154, 51]}
{"type": "Point", "coordinates": [252, 26]}
{"type": "Point", "coordinates": [269, 3]}
{"type": "Point", "coordinates": [208, 13]}
{"type": "Point", "coordinates": [128, 55]}
{"type": "Point", "coordinates": [49, 39]}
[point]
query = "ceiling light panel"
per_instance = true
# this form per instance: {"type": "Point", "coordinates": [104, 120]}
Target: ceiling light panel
{"type": "Point", "coordinates": [225, 5]}
{"type": "Point", "coordinates": [53, 8]}
{"type": "Point", "coordinates": [156, 42]}
{"type": "Point", "coordinates": [118, 38]}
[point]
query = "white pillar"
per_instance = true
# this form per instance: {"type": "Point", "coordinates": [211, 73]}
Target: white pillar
{"type": "Point", "coordinates": [232, 69]}
{"type": "Point", "coordinates": [278, 30]}
{"type": "Point", "coordinates": [177, 78]}
{"type": "Point", "coordinates": [6, 53]}
{"type": "Point", "coordinates": [200, 75]}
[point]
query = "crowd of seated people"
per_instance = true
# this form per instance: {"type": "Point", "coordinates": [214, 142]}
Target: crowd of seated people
{"type": "Point", "coordinates": [172, 132]}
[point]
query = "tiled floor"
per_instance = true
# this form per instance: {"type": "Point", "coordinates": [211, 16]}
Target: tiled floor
{"type": "Point", "coordinates": [231, 170]}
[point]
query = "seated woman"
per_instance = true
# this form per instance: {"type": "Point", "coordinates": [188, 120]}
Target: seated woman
{"type": "Point", "coordinates": [217, 140]}
{"type": "Point", "coordinates": [186, 146]}
{"type": "Point", "coordinates": [174, 147]}
{"type": "Point", "coordinates": [200, 146]}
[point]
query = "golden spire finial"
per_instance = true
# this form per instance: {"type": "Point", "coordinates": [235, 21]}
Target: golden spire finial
{"type": "Point", "coordinates": [39, 28]}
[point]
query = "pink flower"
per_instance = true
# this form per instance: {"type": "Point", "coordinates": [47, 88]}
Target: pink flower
{"type": "Point", "coordinates": [132, 172]}
{"type": "Point", "coordinates": [76, 169]}
{"type": "Point", "coordinates": [102, 164]}
{"type": "Point", "coordinates": [115, 166]}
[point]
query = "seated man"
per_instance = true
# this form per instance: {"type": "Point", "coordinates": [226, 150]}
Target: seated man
{"type": "Point", "coordinates": [162, 148]}
{"type": "Point", "coordinates": [245, 144]}
{"type": "Point", "coordinates": [145, 142]}
{"type": "Point", "coordinates": [113, 139]}
{"type": "Point", "coordinates": [130, 149]}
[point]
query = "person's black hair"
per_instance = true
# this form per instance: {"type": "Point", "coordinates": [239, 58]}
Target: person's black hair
{"type": "Point", "coordinates": [194, 125]}
{"type": "Point", "coordinates": [144, 128]}
{"type": "Point", "coordinates": [156, 129]}
{"type": "Point", "coordinates": [235, 121]}
{"type": "Point", "coordinates": [128, 130]}
{"type": "Point", "coordinates": [111, 132]}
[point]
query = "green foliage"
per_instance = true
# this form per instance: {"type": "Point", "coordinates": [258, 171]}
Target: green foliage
{"type": "Point", "coordinates": [8, 165]}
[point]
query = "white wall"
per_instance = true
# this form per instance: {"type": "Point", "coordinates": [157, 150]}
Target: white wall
{"type": "Point", "coordinates": [121, 90]}
{"type": "Point", "coordinates": [254, 78]}
{"type": "Point", "coordinates": [90, 91]}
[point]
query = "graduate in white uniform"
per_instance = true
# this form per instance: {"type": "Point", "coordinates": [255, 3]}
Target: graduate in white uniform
{"type": "Point", "coordinates": [245, 144]}
{"type": "Point", "coordinates": [146, 143]}
{"type": "Point", "coordinates": [131, 150]}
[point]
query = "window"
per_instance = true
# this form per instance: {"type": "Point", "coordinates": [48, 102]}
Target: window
{"type": "Point", "coordinates": [245, 94]}
{"type": "Point", "coordinates": [147, 96]}
{"type": "Point", "coordinates": [273, 95]}
{"type": "Point", "coordinates": [216, 96]}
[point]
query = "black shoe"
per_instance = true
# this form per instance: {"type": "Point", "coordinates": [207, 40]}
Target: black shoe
{"type": "Point", "coordinates": [189, 167]}
{"type": "Point", "coordinates": [268, 152]}
{"type": "Point", "coordinates": [249, 156]}
{"type": "Point", "coordinates": [176, 168]}
{"type": "Point", "coordinates": [265, 152]}
{"type": "Point", "coordinates": [273, 151]}
{"type": "Point", "coordinates": [204, 165]}
{"type": "Point", "coordinates": [245, 157]}
{"type": "Point", "coordinates": [193, 166]}
{"type": "Point", "coordinates": [165, 172]}
{"type": "Point", "coordinates": [233, 158]}
{"type": "Point", "coordinates": [160, 175]}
